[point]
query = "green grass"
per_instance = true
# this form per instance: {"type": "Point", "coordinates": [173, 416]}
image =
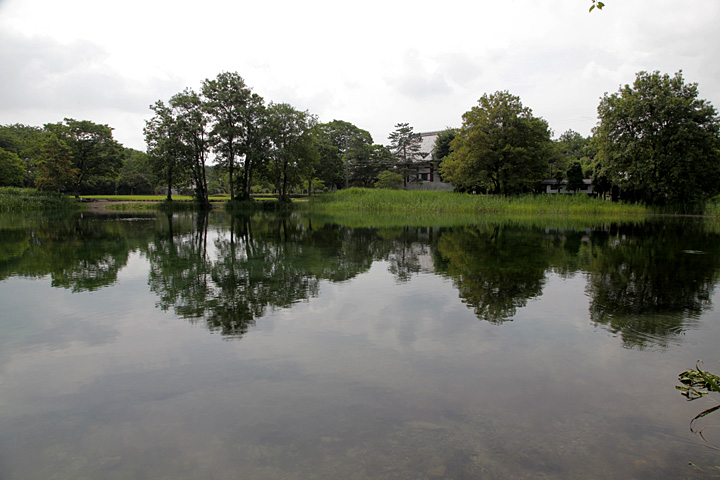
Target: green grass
{"type": "Point", "coordinates": [134, 207]}
{"type": "Point", "coordinates": [30, 200]}
{"type": "Point", "coordinates": [138, 198]}
{"type": "Point", "coordinates": [712, 208]}
{"type": "Point", "coordinates": [451, 219]}
{"type": "Point", "coordinates": [400, 201]}
{"type": "Point", "coordinates": [180, 202]}
{"type": "Point", "coordinates": [161, 198]}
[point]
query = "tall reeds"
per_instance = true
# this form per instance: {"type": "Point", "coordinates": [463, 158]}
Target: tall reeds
{"type": "Point", "coordinates": [400, 201]}
{"type": "Point", "coordinates": [14, 199]}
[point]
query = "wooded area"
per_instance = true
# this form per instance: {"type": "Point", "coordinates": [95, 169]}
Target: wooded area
{"type": "Point", "coordinates": [656, 143]}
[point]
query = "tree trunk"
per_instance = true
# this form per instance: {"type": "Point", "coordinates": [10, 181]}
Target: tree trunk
{"type": "Point", "coordinates": [231, 168]}
{"type": "Point", "coordinates": [283, 195]}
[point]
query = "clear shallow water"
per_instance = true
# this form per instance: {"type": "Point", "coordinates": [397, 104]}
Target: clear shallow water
{"type": "Point", "coordinates": [291, 347]}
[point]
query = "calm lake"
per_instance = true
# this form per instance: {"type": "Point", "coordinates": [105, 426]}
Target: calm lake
{"type": "Point", "coordinates": [191, 346]}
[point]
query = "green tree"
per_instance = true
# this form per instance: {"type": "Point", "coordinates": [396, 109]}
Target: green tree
{"type": "Point", "coordinates": [166, 151]}
{"type": "Point", "coordinates": [307, 153]}
{"type": "Point", "coordinates": [289, 143]}
{"type": "Point", "coordinates": [601, 183]}
{"type": "Point", "coordinates": [405, 145]}
{"type": "Point", "coordinates": [55, 170]}
{"type": "Point", "coordinates": [234, 112]}
{"type": "Point", "coordinates": [443, 143]}
{"type": "Point", "coordinates": [329, 169]}
{"type": "Point", "coordinates": [95, 154]}
{"type": "Point", "coordinates": [501, 147]}
{"type": "Point", "coordinates": [191, 139]}
{"type": "Point", "coordinates": [257, 143]}
{"type": "Point", "coordinates": [25, 141]}
{"type": "Point", "coordinates": [366, 162]}
{"type": "Point", "coordinates": [575, 177]}
{"type": "Point", "coordinates": [136, 175]}
{"type": "Point", "coordinates": [572, 145]}
{"type": "Point", "coordinates": [388, 179]}
{"type": "Point", "coordinates": [659, 142]}
{"type": "Point", "coordinates": [12, 169]}
{"type": "Point", "coordinates": [338, 139]}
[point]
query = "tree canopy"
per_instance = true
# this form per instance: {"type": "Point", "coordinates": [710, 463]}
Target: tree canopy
{"type": "Point", "coordinates": [95, 153]}
{"type": "Point", "coordinates": [12, 169]}
{"type": "Point", "coordinates": [501, 147]}
{"type": "Point", "coordinates": [337, 139]}
{"type": "Point", "coordinates": [659, 142]}
{"type": "Point", "coordinates": [231, 107]}
{"type": "Point", "coordinates": [291, 145]}
{"type": "Point", "coordinates": [55, 168]}
{"type": "Point", "coordinates": [443, 143]}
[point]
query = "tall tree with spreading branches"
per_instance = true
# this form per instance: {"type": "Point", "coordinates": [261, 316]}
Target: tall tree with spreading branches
{"type": "Point", "coordinates": [659, 142]}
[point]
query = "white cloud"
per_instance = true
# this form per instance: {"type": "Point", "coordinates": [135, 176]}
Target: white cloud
{"type": "Point", "coordinates": [372, 63]}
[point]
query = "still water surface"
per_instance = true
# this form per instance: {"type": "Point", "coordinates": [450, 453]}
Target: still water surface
{"type": "Point", "coordinates": [290, 347]}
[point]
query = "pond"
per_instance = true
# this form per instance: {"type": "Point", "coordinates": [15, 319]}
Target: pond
{"type": "Point", "coordinates": [301, 347]}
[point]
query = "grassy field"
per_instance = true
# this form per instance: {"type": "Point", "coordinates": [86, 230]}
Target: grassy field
{"type": "Point", "coordinates": [356, 201]}
{"type": "Point", "coordinates": [400, 201]}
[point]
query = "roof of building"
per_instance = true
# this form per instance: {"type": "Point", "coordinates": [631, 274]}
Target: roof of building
{"type": "Point", "coordinates": [428, 144]}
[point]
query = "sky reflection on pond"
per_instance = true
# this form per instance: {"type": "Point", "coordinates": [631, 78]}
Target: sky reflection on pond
{"type": "Point", "coordinates": [490, 350]}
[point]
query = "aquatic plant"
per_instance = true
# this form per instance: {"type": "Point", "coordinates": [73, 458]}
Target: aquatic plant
{"type": "Point", "coordinates": [696, 383]}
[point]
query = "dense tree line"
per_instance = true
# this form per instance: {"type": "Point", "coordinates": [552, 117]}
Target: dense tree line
{"type": "Point", "coordinates": [656, 142]}
{"type": "Point", "coordinates": [222, 139]}
{"type": "Point", "coordinates": [74, 156]}
{"type": "Point", "coordinates": [252, 143]}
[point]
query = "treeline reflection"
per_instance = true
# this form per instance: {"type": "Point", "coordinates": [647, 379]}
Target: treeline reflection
{"type": "Point", "coordinates": [646, 282]}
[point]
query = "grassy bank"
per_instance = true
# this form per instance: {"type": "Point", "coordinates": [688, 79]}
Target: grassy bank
{"type": "Point", "coordinates": [30, 200]}
{"type": "Point", "coordinates": [383, 220]}
{"type": "Point", "coordinates": [403, 202]}
{"type": "Point", "coordinates": [712, 208]}
{"type": "Point", "coordinates": [150, 198]}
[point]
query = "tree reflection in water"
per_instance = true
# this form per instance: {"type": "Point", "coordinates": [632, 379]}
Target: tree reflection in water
{"type": "Point", "coordinates": [263, 261]}
{"type": "Point", "coordinates": [650, 282]}
{"type": "Point", "coordinates": [80, 252]}
{"type": "Point", "coordinates": [496, 269]}
{"type": "Point", "coordinates": [647, 282]}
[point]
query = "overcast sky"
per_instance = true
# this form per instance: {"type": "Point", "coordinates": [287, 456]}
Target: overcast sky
{"type": "Point", "coordinates": [372, 63]}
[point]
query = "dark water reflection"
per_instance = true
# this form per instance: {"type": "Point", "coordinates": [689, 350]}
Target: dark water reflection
{"type": "Point", "coordinates": [494, 349]}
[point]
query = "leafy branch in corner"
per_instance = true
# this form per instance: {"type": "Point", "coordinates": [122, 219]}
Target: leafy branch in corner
{"type": "Point", "coordinates": [596, 4]}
